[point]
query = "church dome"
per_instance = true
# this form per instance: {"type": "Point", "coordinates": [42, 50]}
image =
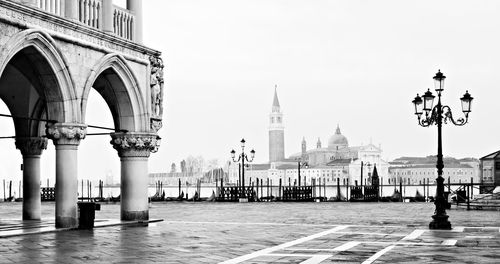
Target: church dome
{"type": "Point", "coordinates": [337, 141]}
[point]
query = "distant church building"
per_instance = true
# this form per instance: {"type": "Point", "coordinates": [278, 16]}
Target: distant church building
{"type": "Point", "coordinates": [337, 160]}
{"type": "Point", "coordinates": [276, 132]}
{"type": "Point", "coordinates": [338, 147]}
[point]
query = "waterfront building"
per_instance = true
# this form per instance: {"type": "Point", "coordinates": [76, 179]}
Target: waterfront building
{"type": "Point", "coordinates": [490, 169]}
{"type": "Point", "coordinates": [172, 178]}
{"type": "Point", "coordinates": [187, 177]}
{"type": "Point", "coordinates": [416, 170]}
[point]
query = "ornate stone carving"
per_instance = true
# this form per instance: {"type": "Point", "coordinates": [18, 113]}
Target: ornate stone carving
{"type": "Point", "coordinates": [66, 133]}
{"type": "Point", "coordinates": [133, 144]}
{"type": "Point", "coordinates": [31, 146]}
{"type": "Point", "coordinates": [156, 124]}
{"type": "Point", "coordinates": [156, 84]}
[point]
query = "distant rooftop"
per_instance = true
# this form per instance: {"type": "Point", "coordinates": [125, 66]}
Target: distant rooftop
{"type": "Point", "coordinates": [429, 160]}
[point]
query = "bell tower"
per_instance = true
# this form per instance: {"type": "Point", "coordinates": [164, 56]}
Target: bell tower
{"type": "Point", "coordinates": [276, 131]}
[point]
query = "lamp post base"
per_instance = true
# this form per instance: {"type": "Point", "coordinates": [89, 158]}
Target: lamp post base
{"type": "Point", "coordinates": [440, 222]}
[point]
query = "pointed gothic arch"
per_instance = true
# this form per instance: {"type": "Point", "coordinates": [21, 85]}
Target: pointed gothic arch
{"type": "Point", "coordinates": [55, 80]}
{"type": "Point", "coordinates": [117, 84]}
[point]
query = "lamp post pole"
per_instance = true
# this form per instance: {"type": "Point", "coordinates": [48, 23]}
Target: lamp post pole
{"type": "Point", "coordinates": [243, 174]}
{"type": "Point", "coordinates": [243, 156]}
{"type": "Point", "coordinates": [437, 115]}
{"type": "Point", "coordinates": [440, 218]}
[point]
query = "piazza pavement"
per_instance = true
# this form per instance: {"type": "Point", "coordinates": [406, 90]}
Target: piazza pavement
{"type": "Point", "coordinates": [260, 233]}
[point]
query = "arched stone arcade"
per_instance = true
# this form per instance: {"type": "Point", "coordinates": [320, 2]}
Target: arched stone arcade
{"type": "Point", "coordinates": [34, 84]}
{"type": "Point", "coordinates": [40, 80]}
{"type": "Point", "coordinates": [113, 79]}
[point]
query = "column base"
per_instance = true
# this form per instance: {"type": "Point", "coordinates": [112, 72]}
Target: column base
{"type": "Point", "coordinates": [440, 222]}
{"type": "Point", "coordinates": [135, 215]}
{"type": "Point", "coordinates": [66, 222]}
{"type": "Point", "coordinates": [31, 216]}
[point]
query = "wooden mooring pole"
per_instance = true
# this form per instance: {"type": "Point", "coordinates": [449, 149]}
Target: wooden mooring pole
{"type": "Point", "coordinates": [279, 190]}
{"type": "Point", "coordinates": [338, 189]}
{"type": "Point", "coordinates": [401, 189]}
{"type": "Point", "coordinates": [428, 189]}
{"type": "Point", "coordinates": [257, 185]}
{"type": "Point", "coordinates": [324, 188]}
{"type": "Point", "coordinates": [313, 184]}
{"type": "Point", "coordinates": [180, 187]}
{"type": "Point", "coordinates": [347, 189]}
{"type": "Point", "coordinates": [267, 187]}
{"type": "Point", "coordinates": [425, 200]}
{"type": "Point", "coordinates": [271, 188]}
{"type": "Point", "coordinates": [261, 187]}
{"type": "Point", "coordinates": [472, 187]}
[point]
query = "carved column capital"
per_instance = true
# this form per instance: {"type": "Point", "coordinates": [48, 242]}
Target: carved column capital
{"type": "Point", "coordinates": [31, 146]}
{"type": "Point", "coordinates": [66, 133]}
{"type": "Point", "coordinates": [135, 144]}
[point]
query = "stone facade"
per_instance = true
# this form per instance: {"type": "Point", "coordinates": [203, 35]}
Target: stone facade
{"type": "Point", "coordinates": [54, 52]}
{"type": "Point", "coordinates": [490, 169]}
{"type": "Point", "coordinates": [416, 170]}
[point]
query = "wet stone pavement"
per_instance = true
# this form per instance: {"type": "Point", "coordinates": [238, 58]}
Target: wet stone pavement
{"type": "Point", "coordinates": [265, 233]}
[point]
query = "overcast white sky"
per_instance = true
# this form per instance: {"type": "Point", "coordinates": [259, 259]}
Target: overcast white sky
{"type": "Point", "coordinates": [354, 63]}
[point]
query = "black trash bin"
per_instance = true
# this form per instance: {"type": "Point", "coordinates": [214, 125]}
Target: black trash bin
{"type": "Point", "coordinates": [87, 214]}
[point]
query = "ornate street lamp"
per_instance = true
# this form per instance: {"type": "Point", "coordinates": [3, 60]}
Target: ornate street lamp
{"type": "Point", "coordinates": [243, 156]}
{"type": "Point", "coordinates": [437, 115]}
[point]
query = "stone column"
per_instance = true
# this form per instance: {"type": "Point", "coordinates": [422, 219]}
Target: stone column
{"type": "Point", "coordinates": [71, 9]}
{"type": "Point", "coordinates": [134, 150]}
{"type": "Point", "coordinates": [66, 137]}
{"type": "Point", "coordinates": [31, 148]}
{"type": "Point", "coordinates": [136, 7]}
{"type": "Point", "coordinates": [107, 16]}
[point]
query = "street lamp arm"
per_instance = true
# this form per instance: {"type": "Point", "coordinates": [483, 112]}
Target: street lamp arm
{"type": "Point", "coordinates": [246, 158]}
{"type": "Point", "coordinates": [429, 119]}
{"type": "Point", "coordinates": [239, 158]}
{"type": "Point", "coordinates": [448, 116]}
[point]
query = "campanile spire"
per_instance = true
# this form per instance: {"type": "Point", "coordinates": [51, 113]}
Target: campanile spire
{"type": "Point", "coordinates": [276, 131]}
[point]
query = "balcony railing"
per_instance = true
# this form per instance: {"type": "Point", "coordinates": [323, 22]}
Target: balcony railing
{"type": "Point", "coordinates": [52, 6]}
{"type": "Point", "coordinates": [90, 13]}
{"type": "Point", "coordinates": [123, 23]}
